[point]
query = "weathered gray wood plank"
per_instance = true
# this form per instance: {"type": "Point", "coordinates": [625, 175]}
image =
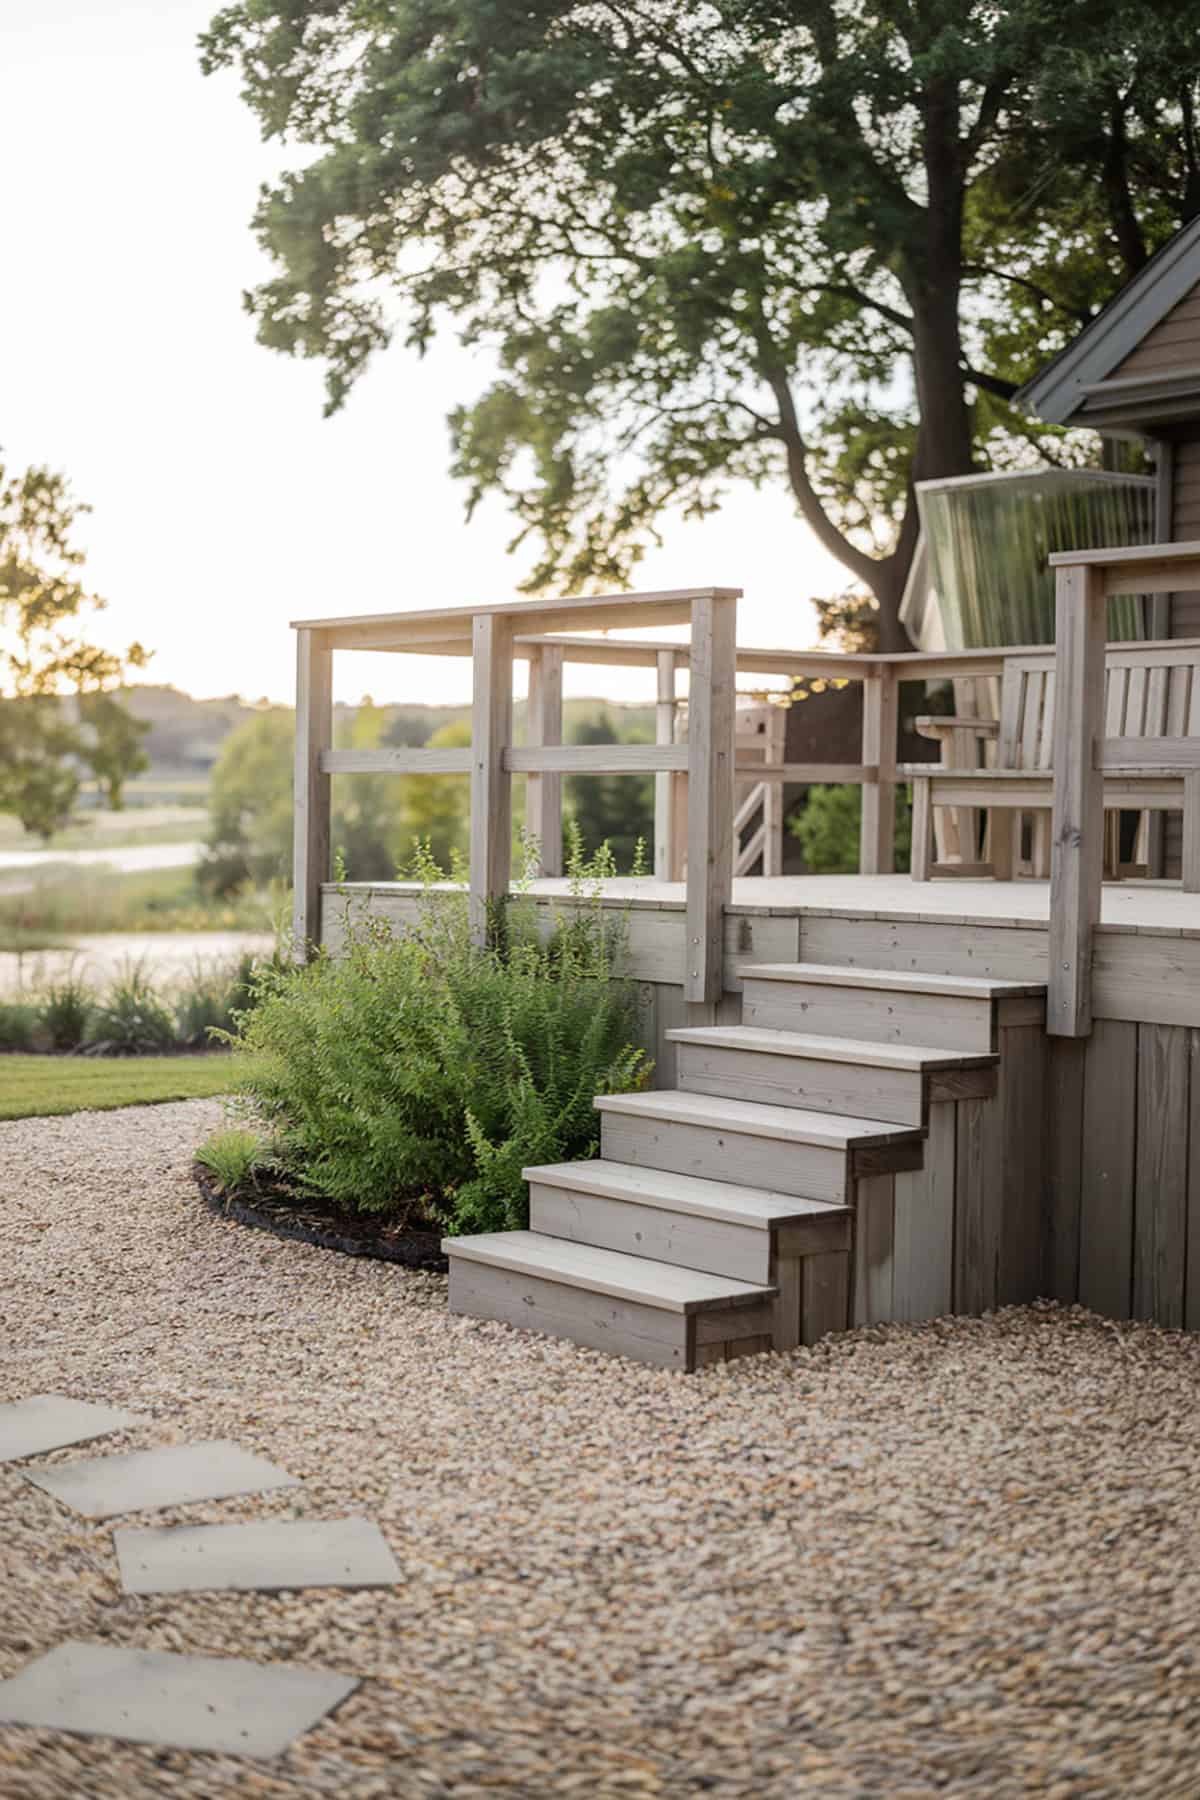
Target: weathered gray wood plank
{"type": "Point", "coordinates": [710, 748]}
{"type": "Point", "coordinates": [978, 1203]}
{"type": "Point", "coordinates": [1106, 1190]}
{"type": "Point", "coordinates": [1077, 854]}
{"type": "Point", "coordinates": [1063, 1139]}
{"type": "Point", "coordinates": [1022, 1102]}
{"type": "Point", "coordinates": [877, 855]}
{"type": "Point", "coordinates": [596, 1320]}
{"type": "Point", "coordinates": [314, 731]}
{"type": "Point", "coordinates": [543, 792]}
{"type": "Point", "coordinates": [825, 1296]}
{"type": "Point", "coordinates": [491, 782]}
{"type": "Point", "coordinates": [874, 1250]}
{"type": "Point", "coordinates": [1192, 1282]}
{"type": "Point", "coordinates": [1160, 1189]}
{"type": "Point", "coordinates": [923, 1261]}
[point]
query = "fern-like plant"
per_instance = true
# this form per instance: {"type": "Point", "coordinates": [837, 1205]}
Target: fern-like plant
{"type": "Point", "coordinates": [416, 1073]}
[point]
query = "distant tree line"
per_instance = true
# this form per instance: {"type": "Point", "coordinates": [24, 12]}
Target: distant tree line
{"type": "Point", "coordinates": [377, 818]}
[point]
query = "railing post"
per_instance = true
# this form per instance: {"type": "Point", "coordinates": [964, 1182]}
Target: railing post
{"type": "Point", "coordinates": [1077, 850]}
{"type": "Point", "coordinates": [877, 835]}
{"type": "Point", "coordinates": [710, 792]}
{"type": "Point", "coordinates": [491, 782]}
{"type": "Point", "coordinates": [314, 733]}
{"type": "Point", "coordinates": [666, 785]}
{"type": "Point", "coordinates": [543, 793]}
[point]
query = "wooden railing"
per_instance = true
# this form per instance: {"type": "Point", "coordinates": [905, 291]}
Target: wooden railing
{"type": "Point", "coordinates": [540, 631]}
{"type": "Point", "coordinates": [1084, 581]}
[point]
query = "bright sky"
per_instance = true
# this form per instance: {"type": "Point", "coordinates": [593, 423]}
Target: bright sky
{"type": "Point", "coordinates": [224, 504]}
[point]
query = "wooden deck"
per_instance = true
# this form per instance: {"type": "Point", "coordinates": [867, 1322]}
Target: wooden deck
{"type": "Point", "coordinates": [1156, 907]}
{"type": "Point", "coordinates": [1041, 1135]}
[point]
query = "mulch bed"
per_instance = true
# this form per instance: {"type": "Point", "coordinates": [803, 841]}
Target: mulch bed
{"type": "Point", "coordinates": [309, 1222]}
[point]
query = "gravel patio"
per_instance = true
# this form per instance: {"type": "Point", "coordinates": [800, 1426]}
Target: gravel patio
{"type": "Point", "coordinates": [958, 1559]}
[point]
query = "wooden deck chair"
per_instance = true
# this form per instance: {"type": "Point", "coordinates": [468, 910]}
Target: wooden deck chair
{"type": "Point", "coordinates": [1150, 757]}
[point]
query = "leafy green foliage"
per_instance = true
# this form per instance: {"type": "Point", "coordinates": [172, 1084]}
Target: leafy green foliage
{"type": "Point", "coordinates": [752, 241]}
{"type": "Point", "coordinates": [417, 1074]}
{"type": "Point", "coordinates": [828, 829]}
{"type": "Point", "coordinates": [44, 657]}
{"type": "Point", "coordinates": [231, 1157]}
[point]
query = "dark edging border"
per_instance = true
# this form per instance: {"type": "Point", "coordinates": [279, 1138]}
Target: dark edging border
{"type": "Point", "coordinates": [244, 1212]}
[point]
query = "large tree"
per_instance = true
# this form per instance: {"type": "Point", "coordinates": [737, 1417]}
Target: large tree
{"type": "Point", "coordinates": [58, 716]}
{"type": "Point", "coordinates": [744, 240]}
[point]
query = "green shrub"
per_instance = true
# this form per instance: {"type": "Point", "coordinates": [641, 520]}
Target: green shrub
{"type": "Point", "coordinates": [65, 1011]}
{"type": "Point", "coordinates": [418, 1074]}
{"type": "Point", "coordinates": [18, 1025]}
{"type": "Point", "coordinates": [231, 1157]}
{"type": "Point", "coordinates": [828, 829]}
{"type": "Point", "coordinates": [131, 1019]}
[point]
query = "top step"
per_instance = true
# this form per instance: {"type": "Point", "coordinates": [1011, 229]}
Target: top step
{"type": "Point", "coordinates": [899, 981]}
{"type": "Point", "coordinates": [890, 1006]}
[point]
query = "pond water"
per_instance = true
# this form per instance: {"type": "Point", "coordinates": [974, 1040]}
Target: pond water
{"type": "Point", "coordinates": [127, 861]}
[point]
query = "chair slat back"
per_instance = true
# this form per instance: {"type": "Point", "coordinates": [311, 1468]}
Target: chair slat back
{"type": "Point", "coordinates": [1150, 691]}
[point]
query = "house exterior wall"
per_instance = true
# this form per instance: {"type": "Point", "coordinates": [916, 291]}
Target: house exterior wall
{"type": "Point", "coordinates": [1185, 524]}
{"type": "Point", "coordinates": [1174, 343]}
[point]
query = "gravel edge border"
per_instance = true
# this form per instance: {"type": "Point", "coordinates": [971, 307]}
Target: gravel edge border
{"type": "Point", "coordinates": [244, 1213]}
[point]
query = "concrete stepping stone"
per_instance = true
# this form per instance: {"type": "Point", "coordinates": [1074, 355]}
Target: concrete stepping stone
{"type": "Point", "coordinates": [102, 1486]}
{"type": "Point", "coordinates": [185, 1702]}
{"type": "Point", "coordinates": [265, 1556]}
{"type": "Point", "coordinates": [52, 1421]}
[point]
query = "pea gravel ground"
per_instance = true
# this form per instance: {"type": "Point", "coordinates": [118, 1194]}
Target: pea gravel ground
{"type": "Point", "coordinates": [957, 1559]}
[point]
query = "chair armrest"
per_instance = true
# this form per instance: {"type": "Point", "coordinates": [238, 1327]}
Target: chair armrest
{"type": "Point", "coordinates": [940, 725]}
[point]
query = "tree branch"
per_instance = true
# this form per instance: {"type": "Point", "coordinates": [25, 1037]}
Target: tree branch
{"type": "Point", "coordinates": [865, 567]}
{"type": "Point", "coordinates": [991, 384]}
{"type": "Point", "coordinates": [1039, 293]}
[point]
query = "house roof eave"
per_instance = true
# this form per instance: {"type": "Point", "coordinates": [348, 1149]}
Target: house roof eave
{"type": "Point", "coordinates": [1057, 392]}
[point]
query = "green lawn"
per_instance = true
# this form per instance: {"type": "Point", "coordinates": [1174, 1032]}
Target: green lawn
{"type": "Point", "coordinates": [34, 1086]}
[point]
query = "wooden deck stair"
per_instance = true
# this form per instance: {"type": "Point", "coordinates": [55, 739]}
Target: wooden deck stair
{"type": "Point", "coordinates": [758, 1205]}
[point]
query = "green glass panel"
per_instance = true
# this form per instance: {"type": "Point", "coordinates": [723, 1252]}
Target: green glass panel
{"type": "Point", "coordinates": [989, 539]}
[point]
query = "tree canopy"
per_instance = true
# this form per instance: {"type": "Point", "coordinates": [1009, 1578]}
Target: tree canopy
{"type": "Point", "coordinates": [57, 713]}
{"type": "Point", "coordinates": [766, 241]}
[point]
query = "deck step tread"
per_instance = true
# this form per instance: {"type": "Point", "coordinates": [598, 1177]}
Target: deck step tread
{"type": "Point", "coordinates": [904, 981]}
{"type": "Point", "coordinates": [723, 1201]}
{"type": "Point", "coordinates": [792, 1124]}
{"type": "Point", "coordinates": [666, 1286]}
{"type": "Point", "coordinates": [914, 1057]}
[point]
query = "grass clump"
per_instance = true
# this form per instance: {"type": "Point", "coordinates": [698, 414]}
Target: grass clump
{"type": "Point", "coordinates": [416, 1074]}
{"type": "Point", "coordinates": [65, 1012]}
{"type": "Point", "coordinates": [231, 1157]}
{"type": "Point", "coordinates": [132, 1019]}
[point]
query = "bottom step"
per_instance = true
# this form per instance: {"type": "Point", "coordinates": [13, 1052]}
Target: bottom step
{"type": "Point", "coordinates": [627, 1305]}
